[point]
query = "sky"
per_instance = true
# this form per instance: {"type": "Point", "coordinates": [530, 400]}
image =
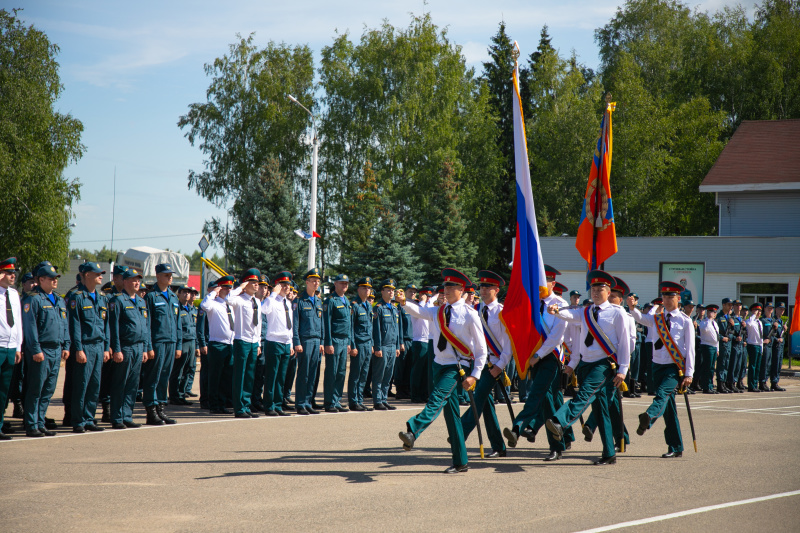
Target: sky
{"type": "Point", "coordinates": [130, 69]}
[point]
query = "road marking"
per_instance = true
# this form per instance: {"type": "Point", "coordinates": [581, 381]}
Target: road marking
{"type": "Point", "coordinates": [689, 512]}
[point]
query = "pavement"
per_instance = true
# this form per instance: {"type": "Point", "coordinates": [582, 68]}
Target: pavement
{"type": "Point", "coordinates": [347, 471]}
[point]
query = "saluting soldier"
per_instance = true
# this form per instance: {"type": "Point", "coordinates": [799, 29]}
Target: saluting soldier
{"type": "Point", "coordinates": [219, 317]}
{"type": "Point", "coordinates": [402, 367]}
{"type": "Point", "coordinates": [257, 401]}
{"type": "Point", "coordinates": [777, 349]}
{"type": "Point", "coordinates": [386, 338]}
{"type": "Point", "coordinates": [89, 334]}
{"type": "Point", "coordinates": [246, 340]}
{"type": "Point", "coordinates": [46, 333]}
{"type": "Point", "coordinates": [201, 335]}
{"type": "Point", "coordinates": [166, 334]}
{"type": "Point", "coordinates": [603, 364]}
{"type": "Point", "coordinates": [420, 349]}
{"type": "Point", "coordinates": [737, 359]}
{"type": "Point", "coordinates": [361, 351]}
{"type": "Point", "coordinates": [278, 322]}
{"type": "Point", "coordinates": [291, 370]}
{"type": "Point", "coordinates": [709, 345]}
{"type": "Point", "coordinates": [725, 326]}
{"type": "Point", "coordinates": [11, 335]}
{"type": "Point", "coordinates": [129, 326]}
{"type": "Point", "coordinates": [460, 338]}
{"type": "Point", "coordinates": [673, 365]}
{"type": "Point", "coordinates": [184, 365]}
{"type": "Point", "coordinates": [338, 342]}
{"type": "Point", "coordinates": [769, 327]}
{"type": "Point", "coordinates": [755, 346]}
{"type": "Point", "coordinates": [308, 335]}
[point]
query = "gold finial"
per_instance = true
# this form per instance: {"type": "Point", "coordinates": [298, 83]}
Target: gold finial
{"type": "Point", "coordinates": [515, 53]}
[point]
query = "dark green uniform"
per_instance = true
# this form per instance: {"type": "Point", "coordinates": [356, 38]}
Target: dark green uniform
{"type": "Point", "coordinates": [130, 335]}
{"type": "Point", "coordinates": [766, 357]}
{"type": "Point", "coordinates": [338, 333]}
{"type": "Point", "coordinates": [737, 359]}
{"type": "Point", "coordinates": [724, 352]}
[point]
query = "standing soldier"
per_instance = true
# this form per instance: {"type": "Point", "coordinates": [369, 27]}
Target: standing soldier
{"type": "Point", "coordinates": [777, 349]}
{"type": "Point", "coordinates": [308, 334]}
{"type": "Point", "coordinates": [291, 370]}
{"type": "Point", "coordinates": [167, 339]}
{"type": "Point", "coordinates": [219, 317]}
{"type": "Point", "coordinates": [386, 340]}
{"type": "Point", "coordinates": [106, 373]}
{"type": "Point", "coordinates": [735, 374]}
{"type": "Point", "coordinates": [633, 374]}
{"type": "Point", "coordinates": [246, 341]}
{"type": "Point", "coordinates": [257, 402]}
{"type": "Point", "coordinates": [755, 345]}
{"type": "Point", "coordinates": [130, 345]}
{"type": "Point", "coordinates": [201, 335]}
{"type": "Point", "coordinates": [184, 365]}
{"type": "Point", "coordinates": [402, 367]}
{"type": "Point", "coordinates": [66, 393]}
{"type": "Point", "coordinates": [278, 322]}
{"type": "Point", "coordinates": [88, 331]}
{"type": "Point", "coordinates": [673, 365]}
{"type": "Point", "coordinates": [725, 327]}
{"type": "Point", "coordinates": [361, 350]}
{"type": "Point", "coordinates": [10, 332]}
{"type": "Point", "coordinates": [460, 337]}
{"type": "Point", "coordinates": [769, 326]}
{"type": "Point", "coordinates": [419, 351]}
{"type": "Point", "coordinates": [46, 335]}
{"type": "Point", "coordinates": [338, 342]}
{"type": "Point", "coordinates": [709, 345]}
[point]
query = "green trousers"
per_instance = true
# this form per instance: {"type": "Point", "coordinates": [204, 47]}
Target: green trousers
{"type": "Point", "coordinates": [335, 372]}
{"type": "Point", "coordinates": [483, 392]}
{"type": "Point", "coordinates": [705, 374]}
{"type": "Point", "coordinates": [244, 373]}
{"type": "Point", "coordinates": [275, 364]}
{"type": "Point", "coordinates": [444, 397]}
{"type": "Point", "coordinates": [616, 422]}
{"type": "Point", "coordinates": [666, 378]}
{"type": "Point", "coordinates": [419, 371]}
{"type": "Point", "coordinates": [753, 366]}
{"type": "Point", "coordinates": [7, 356]}
{"type": "Point", "coordinates": [540, 401]}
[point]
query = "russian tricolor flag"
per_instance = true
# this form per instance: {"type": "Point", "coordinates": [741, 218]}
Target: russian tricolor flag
{"type": "Point", "coordinates": [521, 313]}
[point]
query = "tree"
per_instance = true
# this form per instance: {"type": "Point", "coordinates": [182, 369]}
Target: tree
{"type": "Point", "coordinates": [264, 218]}
{"type": "Point", "coordinates": [37, 143]}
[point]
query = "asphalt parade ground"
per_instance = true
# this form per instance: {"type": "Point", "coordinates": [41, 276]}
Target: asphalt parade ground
{"type": "Point", "coordinates": [347, 471]}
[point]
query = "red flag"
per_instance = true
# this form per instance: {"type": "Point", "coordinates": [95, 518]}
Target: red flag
{"type": "Point", "coordinates": [315, 234]}
{"type": "Point", "coordinates": [795, 323]}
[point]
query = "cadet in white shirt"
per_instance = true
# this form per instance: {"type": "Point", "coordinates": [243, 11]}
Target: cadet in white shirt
{"type": "Point", "coordinates": [605, 343]}
{"type": "Point", "coordinates": [673, 364]}
{"type": "Point", "coordinates": [246, 341]}
{"type": "Point", "coordinates": [10, 331]}
{"type": "Point", "coordinates": [219, 316]}
{"type": "Point", "coordinates": [277, 312]}
{"type": "Point", "coordinates": [419, 351]}
{"type": "Point", "coordinates": [463, 327]}
{"type": "Point", "coordinates": [709, 345]}
{"type": "Point", "coordinates": [755, 346]}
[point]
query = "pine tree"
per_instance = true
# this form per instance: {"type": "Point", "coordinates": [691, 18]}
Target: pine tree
{"type": "Point", "coordinates": [359, 215]}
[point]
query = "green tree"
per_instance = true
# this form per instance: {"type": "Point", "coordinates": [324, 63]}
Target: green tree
{"type": "Point", "coordinates": [360, 215]}
{"type": "Point", "coordinates": [37, 143]}
{"type": "Point", "coordinates": [264, 216]}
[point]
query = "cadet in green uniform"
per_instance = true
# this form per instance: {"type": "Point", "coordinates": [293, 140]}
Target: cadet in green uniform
{"type": "Point", "coordinates": [736, 362]}
{"type": "Point", "coordinates": [708, 329]}
{"type": "Point", "coordinates": [11, 335]}
{"type": "Point", "coordinates": [201, 334]}
{"type": "Point", "coordinates": [768, 327]}
{"type": "Point", "coordinates": [725, 328]}
{"type": "Point", "coordinates": [167, 338]}
{"type": "Point", "coordinates": [402, 367]}
{"type": "Point", "coordinates": [46, 334]}
{"type": "Point", "coordinates": [386, 339]}
{"type": "Point", "coordinates": [130, 345]}
{"type": "Point", "coordinates": [291, 369]}
{"type": "Point", "coordinates": [257, 401]}
{"type": "Point", "coordinates": [308, 335]}
{"type": "Point", "coordinates": [277, 322]}
{"type": "Point", "coordinates": [88, 331]}
{"type": "Point", "coordinates": [338, 343]}
{"type": "Point", "coordinates": [361, 350]}
{"type": "Point", "coordinates": [777, 349]}
{"type": "Point", "coordinates": [184, 365]}
{"type": "Point", "coordinates": [219, 319]}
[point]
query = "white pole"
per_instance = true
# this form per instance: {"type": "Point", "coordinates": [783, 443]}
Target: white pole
{"type": "Point", "coordinates": [312, 242]}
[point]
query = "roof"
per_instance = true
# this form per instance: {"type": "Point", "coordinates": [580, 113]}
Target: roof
{"type": "Point", "coordinates": [762, 155]}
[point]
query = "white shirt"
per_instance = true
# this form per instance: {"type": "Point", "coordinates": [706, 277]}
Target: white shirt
{"type": "Point", "coordinates": [709, 332]}
{"type": "Point", "coordinates": [553, 327]}
{"type": "Point", "coordinates": [681, 329]}
{"type": "Point", "coordinates": [243, 312]}
{"type": "Point", "coordinates": [10, 337]}
{"type": "Point", "coordinates": [572, 336]}
{"type": "Point", "coordinates": [219, 329]}
{"type": "Point", "coordinates": [464, 323]}
{"type": "Point", "coordinates": [420, 330]}
{"type": "Point", "coordinates": [652, 334]}
{"type": "Point", "coordinates": [278, 330]}
{"type": "Point", "coordinates": [632, 330]}
{"type": "Point", "coordinates": [500, 333]}
{"type": "Point", "coordinates": [755, 331]}
{"type": "Point", "coordinates": [611, 320]}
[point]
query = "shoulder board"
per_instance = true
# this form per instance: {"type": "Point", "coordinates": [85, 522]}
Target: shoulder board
{"type": "Point", "coordinates": [685, 315]}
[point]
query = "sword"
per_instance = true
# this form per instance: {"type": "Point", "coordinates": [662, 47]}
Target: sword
{"type": "Point", "coordinates": [691, 420]}
{"type": "Point", "coordinates": [503, 382]}
{"type": "Point", "coordinates": [622, 388]}
{"type": "Point", "coordinates": [461, 373]}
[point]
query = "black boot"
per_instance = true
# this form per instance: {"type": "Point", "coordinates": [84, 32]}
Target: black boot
{"type": "Point", "coordinates": [162, 416]}
{"type": "Point", "coordinates": [19, 412]}
{"type": "Point", "coordinates": [106, 412]}
{"type": "Point", "coordinates": [152, 417]}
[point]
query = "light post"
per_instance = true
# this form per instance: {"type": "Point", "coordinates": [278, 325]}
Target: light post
{"type": "Point", "coordinates": [312, 242]}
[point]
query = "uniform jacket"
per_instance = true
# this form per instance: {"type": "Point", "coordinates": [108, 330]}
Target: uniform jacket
{"type": "Point", "coordinates": [88, 319]}
{"type": "Point", "coordinates": [44, 323]}
{"type": "Point", "coordinates": [337, 320]}
{"type": "Point", "coordinates": [386, 326]}
{"type": "Point", "coordinates": [129, 322]}
{"type": "Point", "coordinates": [307, 321]}
{"type": "Point", "coordinates": [164, 317]}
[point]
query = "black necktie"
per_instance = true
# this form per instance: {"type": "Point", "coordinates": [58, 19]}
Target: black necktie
{"type": "Point", "coordinates": [541, 307]}
{"type": "Point", "coordinates": [9, 313]}
{"type": "Point", "coordinates": [442, 342]}
{"type": "Point", "coordinates": [659, 343]}
{"type": "Point", "coordinates": [589, 337]}
{"type": "Point", "coordinates": [288, 318]}
{"type": "Point", "coordinates": [486, 315]}
{"type": "Point", "coordinates": [230, 315]}
{"type": "Point", "coordinates": [255, 311]}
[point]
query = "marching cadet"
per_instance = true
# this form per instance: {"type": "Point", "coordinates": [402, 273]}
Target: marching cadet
{"type": "Point", "coordinates": [106, 372]}
{"type": "Point", "coordinates": [338, 342]}
{"type": "Point", "coordinates": [46, 333]}
{"type": "Point", "coordinates": [725, 327]}
{"type": "Point", "coordinates": [277, 321]}
{"type": "Point", "coordinates": [460, 337]}
{"type": "Point", "coordinates": [361, 351]}
{"type": "Point", "coordinates": [420, 347]}
{"type": "Point", "coordinates": [736, 361]}
{"type": "Point", "coordinates": [308, 334]}
{"type": "Point", "coordinates": [219, 317]}
{"type": "Point", "coordinates": [606, 335]}
{"type": "Point", "coordinates": [201, 335]}
{"type": "Point", "coordinates": [11, 335]}
{"type": "Point", "coordinates": [163, 308]}
{"type": "Point", "coordinates": [184, 365]}
{"type": "Point", "coordinates": [777, 349]}
{"type": "Point", "coordinates": [246, 340]}
{"type": "Point", "coordinates": [755, 345]}
{"type": "Point", "coordinates": [673, 364]}
{"type": "Point", "coordinates": [768, 326]}
{"type": "Point", "coordinates": [89, 334]}
{"type": "Point", "coordinates": [257, 401]}
{"type": "Point", "coordinates": [129, 326]}
{"type": "Point", "coordinates": [544, 379]}
{"type": "Point", "coordinates": [386, 337]}
{"type": "Point", "coordinates": [498, 355]}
